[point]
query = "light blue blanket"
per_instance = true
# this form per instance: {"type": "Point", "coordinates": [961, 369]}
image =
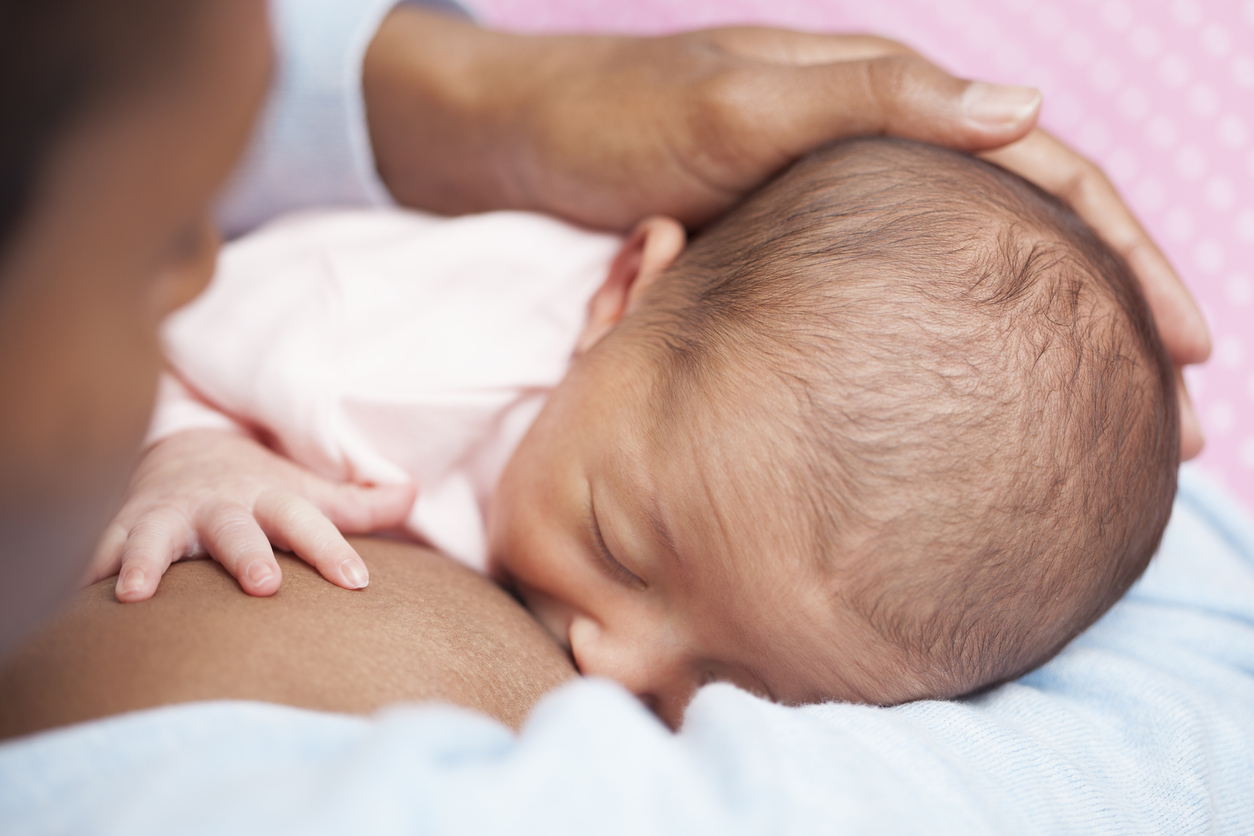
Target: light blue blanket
{"type": "Point", "coordinates": [1145, 724]}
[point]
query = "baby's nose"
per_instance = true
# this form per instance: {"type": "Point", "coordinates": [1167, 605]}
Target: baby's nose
{"type": "Point", "coordinates": [652, 667]}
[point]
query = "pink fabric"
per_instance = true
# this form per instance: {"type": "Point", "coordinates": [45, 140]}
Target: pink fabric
{"type": "Point", "coordinates": [389, 347]}
{"type": "Point", "coordinates": [1159, 92]}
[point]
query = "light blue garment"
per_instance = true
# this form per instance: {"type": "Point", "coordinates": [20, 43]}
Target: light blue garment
{"type": "Point", "coordinates": [1145, 724]}
{"type": "Point", "coordinates": [312, 146]}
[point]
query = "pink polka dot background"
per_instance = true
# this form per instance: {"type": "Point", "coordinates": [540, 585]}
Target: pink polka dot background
{"type": "Point", "coordinates": [1158, 92]}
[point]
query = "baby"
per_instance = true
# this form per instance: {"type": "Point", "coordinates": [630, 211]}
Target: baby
{"type": "Point", "coordinates": [899, 426]}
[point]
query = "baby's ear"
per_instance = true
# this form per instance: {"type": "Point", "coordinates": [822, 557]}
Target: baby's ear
{"type": "Point", "coordinates": [648, 252]}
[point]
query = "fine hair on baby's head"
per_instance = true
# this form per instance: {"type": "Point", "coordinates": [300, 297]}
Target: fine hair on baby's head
{"type": "Point", "coordinates": [967, 398]}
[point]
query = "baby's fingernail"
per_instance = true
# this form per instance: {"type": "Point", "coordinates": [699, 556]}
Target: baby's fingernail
{"type": "Point", "coordinates": [259, 572]}
{"type": "Point", "coordinates": [354, 572]}
{"type": "Point", "coordinates": [132, 581]}
{"type": "Point", "coordinates": [998, 104]}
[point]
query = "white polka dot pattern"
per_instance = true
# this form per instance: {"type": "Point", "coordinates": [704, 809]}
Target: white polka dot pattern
{"type": "Point", "coordinates": [1159, 92]}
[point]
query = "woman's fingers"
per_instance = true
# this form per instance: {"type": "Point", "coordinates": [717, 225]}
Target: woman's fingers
{"type": "Point", "coordinates": [159, 538]}
{"type": "Point", "coordinates": [902, 95]}
{"type": "Point", "coordinates": [1060, 171]}
{"type": "Point", "coordinates": [293, 523]}
{"type": "Point", "coordinates": [1191, 439]}
{"type": "Point", "coordinates": [231, 535]}
{"type": "Point", "coordinates": [800, 49]}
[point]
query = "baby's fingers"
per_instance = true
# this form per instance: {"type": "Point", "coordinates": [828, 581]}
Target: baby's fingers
{"type": "Point", "coordinates": [295, 524]}
{"type": "Point", "coordinates": [159, 538]}
{"type": "Point", "coordinates": [361, 509]}
{"type": "Point", "coordinates": [107, 558]}
{"type": "Point", "coordinates": [232, 536]}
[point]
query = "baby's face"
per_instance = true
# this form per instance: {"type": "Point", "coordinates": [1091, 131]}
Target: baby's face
{"type": "Point", "coordinates": [664, 559]}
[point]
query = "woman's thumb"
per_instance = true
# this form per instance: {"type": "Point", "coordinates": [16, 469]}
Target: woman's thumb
{"type": "Point", "coordinates": [906, 96]}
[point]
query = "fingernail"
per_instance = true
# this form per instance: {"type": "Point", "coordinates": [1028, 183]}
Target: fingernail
{"type": "Point", "coordinates": [132, 581]}
{"type": "Point", "coordinates": [1192, 440]}
{"type": "Point", "coordinates": [354, 572]}
{"type": "Point", "coordinates": [259, 572]}
{"type": "Point", "coordinates": [998, 104]}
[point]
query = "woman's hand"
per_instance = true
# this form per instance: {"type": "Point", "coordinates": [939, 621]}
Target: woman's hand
{"type": "Point", "coordinates": [605, 130]}
{"type": "Point", "coordinates": [212, 492]}
{"type": "Point", "coordinates": [1062, 172]}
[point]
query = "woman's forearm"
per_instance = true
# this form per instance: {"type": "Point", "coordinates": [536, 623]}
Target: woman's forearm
{"type": "Point", "coordinates": [605, 130]}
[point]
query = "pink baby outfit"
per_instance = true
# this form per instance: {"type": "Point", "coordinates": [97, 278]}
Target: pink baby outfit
{"type": "Point", "coordinates": [387, 346]}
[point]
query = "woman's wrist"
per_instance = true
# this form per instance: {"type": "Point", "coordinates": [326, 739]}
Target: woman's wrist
{"type": "Point", "coordinates": [440, 94]}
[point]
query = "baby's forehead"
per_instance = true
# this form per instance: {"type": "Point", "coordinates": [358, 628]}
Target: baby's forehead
{"type": "Point", "coordinates": [724, 473]}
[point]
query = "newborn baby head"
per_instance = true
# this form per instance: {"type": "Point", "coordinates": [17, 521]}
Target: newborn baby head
{"type": "Point", "coordinates": [899, 426]}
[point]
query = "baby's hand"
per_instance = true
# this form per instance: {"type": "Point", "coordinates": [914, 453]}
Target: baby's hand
{"type": "Point", "coordinates": [207, 491]}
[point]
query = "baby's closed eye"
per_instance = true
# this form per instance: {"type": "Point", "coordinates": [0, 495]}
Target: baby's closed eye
{"type": "Point", "coordinates": [605, 558]}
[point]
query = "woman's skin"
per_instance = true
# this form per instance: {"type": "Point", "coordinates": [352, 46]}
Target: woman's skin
{"type": "Point", "coordinates": [425, 629]}
{"type": "Point", "coordinates": [114, 237]}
